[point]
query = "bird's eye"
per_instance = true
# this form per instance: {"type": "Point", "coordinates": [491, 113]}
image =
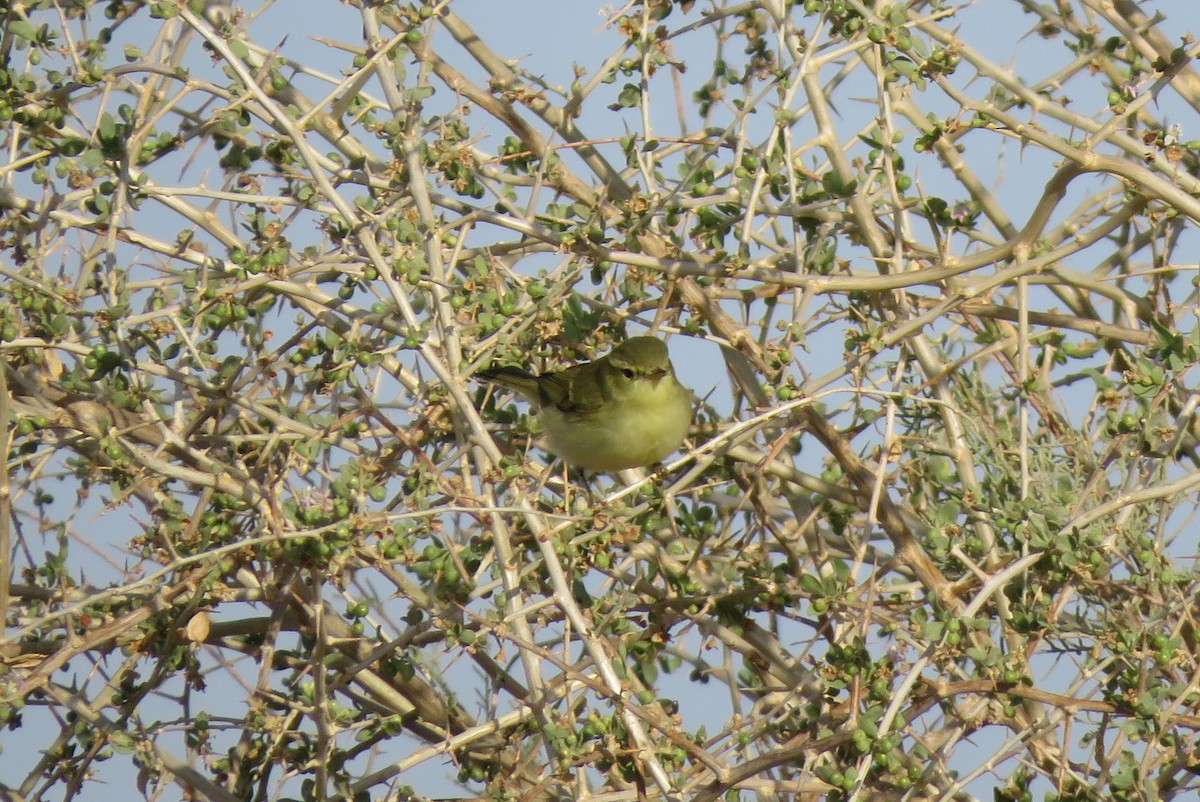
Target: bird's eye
{"type": "Point", "coordinates": [627, 372]}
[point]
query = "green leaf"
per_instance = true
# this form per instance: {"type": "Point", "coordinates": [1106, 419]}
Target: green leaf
{"type": "Point", "coordinates": [107, 128]}
{"type": "Point", "coordinates": [23, 30]}
{"type": "Point", "coordinates": [630, 97]}
{"type": "Point", "coordinates": [579, 322]}
{"type": "Point", "coordinates": [122, 742]}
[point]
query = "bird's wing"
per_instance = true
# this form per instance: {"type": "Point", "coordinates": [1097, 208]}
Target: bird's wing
{"type": "Point", "coordinates": [576, 391]}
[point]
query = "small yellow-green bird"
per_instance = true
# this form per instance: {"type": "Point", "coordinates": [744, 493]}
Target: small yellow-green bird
{"type": "Point", "coordinates": [624, 410]}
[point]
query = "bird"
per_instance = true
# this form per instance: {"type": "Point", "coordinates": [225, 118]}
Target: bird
{"type": "Point", "coordinates": [624, 410]}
